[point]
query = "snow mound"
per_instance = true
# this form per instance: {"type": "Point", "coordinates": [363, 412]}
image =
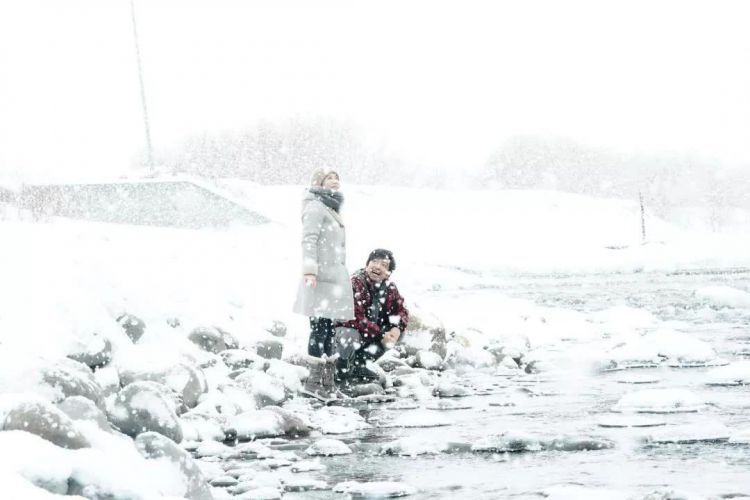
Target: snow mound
{"type": "Point", "coordinates": [328, 447]}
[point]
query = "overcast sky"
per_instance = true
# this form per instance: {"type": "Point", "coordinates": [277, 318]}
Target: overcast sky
{"type": "Point", "coordinates": [438, 82]}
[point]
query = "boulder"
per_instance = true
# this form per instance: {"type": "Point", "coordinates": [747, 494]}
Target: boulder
{"type": "Point", "coordinates": [71, 378]}
{"type": "Point", "coordinates": [428, 360]}
{"type": "Point", "coordinates": [208, 338]}
{"type": "Point", "coordinates": [237, 359]}
{"type": "Point", "coordinates": [154, 446]}
{"type": "Point", "coordinates": [133, 326]}
{"type": "Point", "coordinates": [142, 407]}
{"type": "Point", "coordinates": [186, 380]}
{"type": "Point", "coordinates": [94, 351]}
{"type": "Point", "coordinates": [269, 349]}
{"type": "Point", "coordinates": [277, 329]}
{"type": "Point", "coordinates": [80, 408]}
{"type": "Point", "coordinates": [266, 390]}
{"type": "Point", "coordinates": [44, 420]}
{"type": "Point", "coordinates": [230, 341]}
{"type": "Point", "coordinates": [271, 421]}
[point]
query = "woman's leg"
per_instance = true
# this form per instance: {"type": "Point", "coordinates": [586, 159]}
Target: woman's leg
{"type": "Point", "coordinates": [329, 346]}
{"type": "Point", "coordinates": [318, 334]}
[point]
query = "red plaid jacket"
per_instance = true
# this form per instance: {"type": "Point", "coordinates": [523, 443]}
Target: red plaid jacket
{"type": "Point", "coordinates": [395, 312]}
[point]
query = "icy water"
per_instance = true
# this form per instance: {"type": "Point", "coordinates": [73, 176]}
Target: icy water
{"type": "Point", "coordinates": [567, 403]}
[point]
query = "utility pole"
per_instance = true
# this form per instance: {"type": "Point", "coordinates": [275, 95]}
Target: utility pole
{"type": "Point", "coordinates": [643, 218]}
{"type": "Point", "coordinates": [149, 148]}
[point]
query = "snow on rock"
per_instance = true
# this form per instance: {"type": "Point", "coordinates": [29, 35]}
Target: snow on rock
{"type": "Point", "coordinates": [338, 420]}
{"type": "Point", "coordinates": [36, 416]}
{"type": "Point", "coordinates": [97, 472]}
{"type": "Point", "coordinates": [211, 339]}
{"type": "Point", "coordinates": [418, 418]}
{"type": "Point", "coordinates": [515, 441]}
{"type": "Point", "coordinates": [413, 446]}
{"type": "Point", "coordinates": [156, 447]}
{"type": "Point", "coordinates": [142, 406]}
{"type": "Point", "coordinates": [133, 326]}
{"type": "Point", "coordinates": [694, 432]}
{"type": "Point", "coordinates": [376, 489]}
{"type": "Point", "coordinates": [300, 484]}
{"type": "Point", "coordinates": [186, 380]}
{"type": "Point", "coordinates": [429, 360]}
{"type": "Point", "coordinates": [741, 436]}
{"type": "Point", "coordinates": [737, 373]}
{"type": "Point", "coordinates": [93, 350]}
{"type": "Point", "coordinates": [289, 374]}
{"type": "Point", "coordinates": [80, 408]}
{"type": "Point", "coordinates": [237, 359]}
{"type": "Point", "coordinates": [263, 493]}
{"type": "Point", "coordinates": [449, 390]}
{"type": "Point", "coordinates": [660, 401]}
{"type": "Point", "coordinates": [266, 389]}
{"type": "Point", "coordinates": [271, 421]}
{"type": "Point", "coordinates": [328, 447]}
{"type": "Point", "coordinates": [308, 466]}
{"type": "Point", "coordinates": [653, 348]}
{"type": "Point", "coordinates": [724, 296]}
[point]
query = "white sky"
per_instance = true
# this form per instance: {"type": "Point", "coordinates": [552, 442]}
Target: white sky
{"type": "Point", "coordinates": [439, 82]}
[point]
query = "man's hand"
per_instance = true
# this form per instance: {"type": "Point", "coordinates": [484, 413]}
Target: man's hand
{"type": "Point", "coordinates": [311, 280]}
{"type": "Point", "coordinates": [391, 337]}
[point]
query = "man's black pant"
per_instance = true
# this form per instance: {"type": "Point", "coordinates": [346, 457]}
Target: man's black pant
{"type": "Point", "coordinates": [354, 352]}
{"type": "Point", "coordinates": [321, 337]}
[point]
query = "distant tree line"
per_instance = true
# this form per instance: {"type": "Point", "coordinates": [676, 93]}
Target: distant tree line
{"type": "Point", "coordinates": [286, 152]}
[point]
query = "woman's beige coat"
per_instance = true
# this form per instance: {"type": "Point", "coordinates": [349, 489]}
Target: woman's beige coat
{"type": "Point", "coordinates": [324, 255]}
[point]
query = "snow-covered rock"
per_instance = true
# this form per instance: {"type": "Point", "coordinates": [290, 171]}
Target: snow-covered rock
{"type": "Point", "coordinates": [271, 421]}
{"type": "Point", "coordinates": [375, 489]}
{"type": "Point", "coordinates": [413, 446]}
{"type": "Point", "coordinates": [43, 419]}
{"type": "Point", "coordinates": [186, 380]}
{"type": "Point", "coordinates": [328, 447]}
{"type": "Point", "coordinates": [338, 420]}
{"type": "Point", "coordinates": [80, 408]}
{"type": "Point", "coordinates": [163, 450]}
{"type": "Point", "coordinates": [737, 373]}
{"type": "Point", "coordinates": [133, 326]}
{"type": "Point", "coordinates": [141, 407]}
{"type": "Point", "coordinates": [93, 350]}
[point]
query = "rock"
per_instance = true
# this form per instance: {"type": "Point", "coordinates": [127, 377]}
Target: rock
{"type": "Point", "coordinates": [209, 339]}
{"type": "Point", "coordinates": [375, 489]}
{"type": "Point", "coordinates": [277, 329]}
{"type": "Point", "coordinates": [269, 349]}
{"type": "Point", "coordinates": [142, 407]}
{"type": "Point", "coordinates": [271, 421]}
{"type": "Point", "coordinates": [71, 378]}
{"type": "Point", "coordinates": [266, 390]}
{"type": "Point", "coordinates": [80, 408]}
{"type": "Point", "coordinates": [108, 379]}
{"type": "Point", "coordinates": [230, 341]}
{"type": "Point", "coordinates": [44, 420]}
{"type": "Point", "coordinates": [357, 390]}
{"type": "Point", "coordinates": [439, 342]}
{"type": "Point", "coordinates": [389, 362]}
{"type": "Point", "coordinates": [428, 360]}
{"type": "Point", "coordinates": [155, 446]}
{"type": "Point", "coordinates": [93, 351]}
{"type": "Point", "coordinates": [449, 390]}
{"type": "Point", "coordinates": [508, 362]}
{"type": "Point", "coordinates": [133, 326]}
{"type": "Point", "coordinates": [187, 381]}
{"type": "Point", "coordinates": [328, 447]}
{"type": "Point", "coordinates": [237, 359]}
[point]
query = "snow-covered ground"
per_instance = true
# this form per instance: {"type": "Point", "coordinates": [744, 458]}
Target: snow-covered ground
{"type": "Point", "coordinates": [66, 286]}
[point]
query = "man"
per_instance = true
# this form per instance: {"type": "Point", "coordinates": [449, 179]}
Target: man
{"type": "Point", "coordinates": [380, 317]}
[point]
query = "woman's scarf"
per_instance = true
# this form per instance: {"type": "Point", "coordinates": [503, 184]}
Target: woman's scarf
{"type": "Point", "coordinates": [331, 199]}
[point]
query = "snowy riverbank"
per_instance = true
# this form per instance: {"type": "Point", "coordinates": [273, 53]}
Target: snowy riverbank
{"type": "Point", "coordinates": [207, 364]}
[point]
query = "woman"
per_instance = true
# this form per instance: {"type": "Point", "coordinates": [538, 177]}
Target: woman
{"type": "Point", "coordinates": [325, 293]}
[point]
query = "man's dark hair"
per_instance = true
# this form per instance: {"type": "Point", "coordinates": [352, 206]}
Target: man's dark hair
{"type": "Point", "coordinates": [382, 253]}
